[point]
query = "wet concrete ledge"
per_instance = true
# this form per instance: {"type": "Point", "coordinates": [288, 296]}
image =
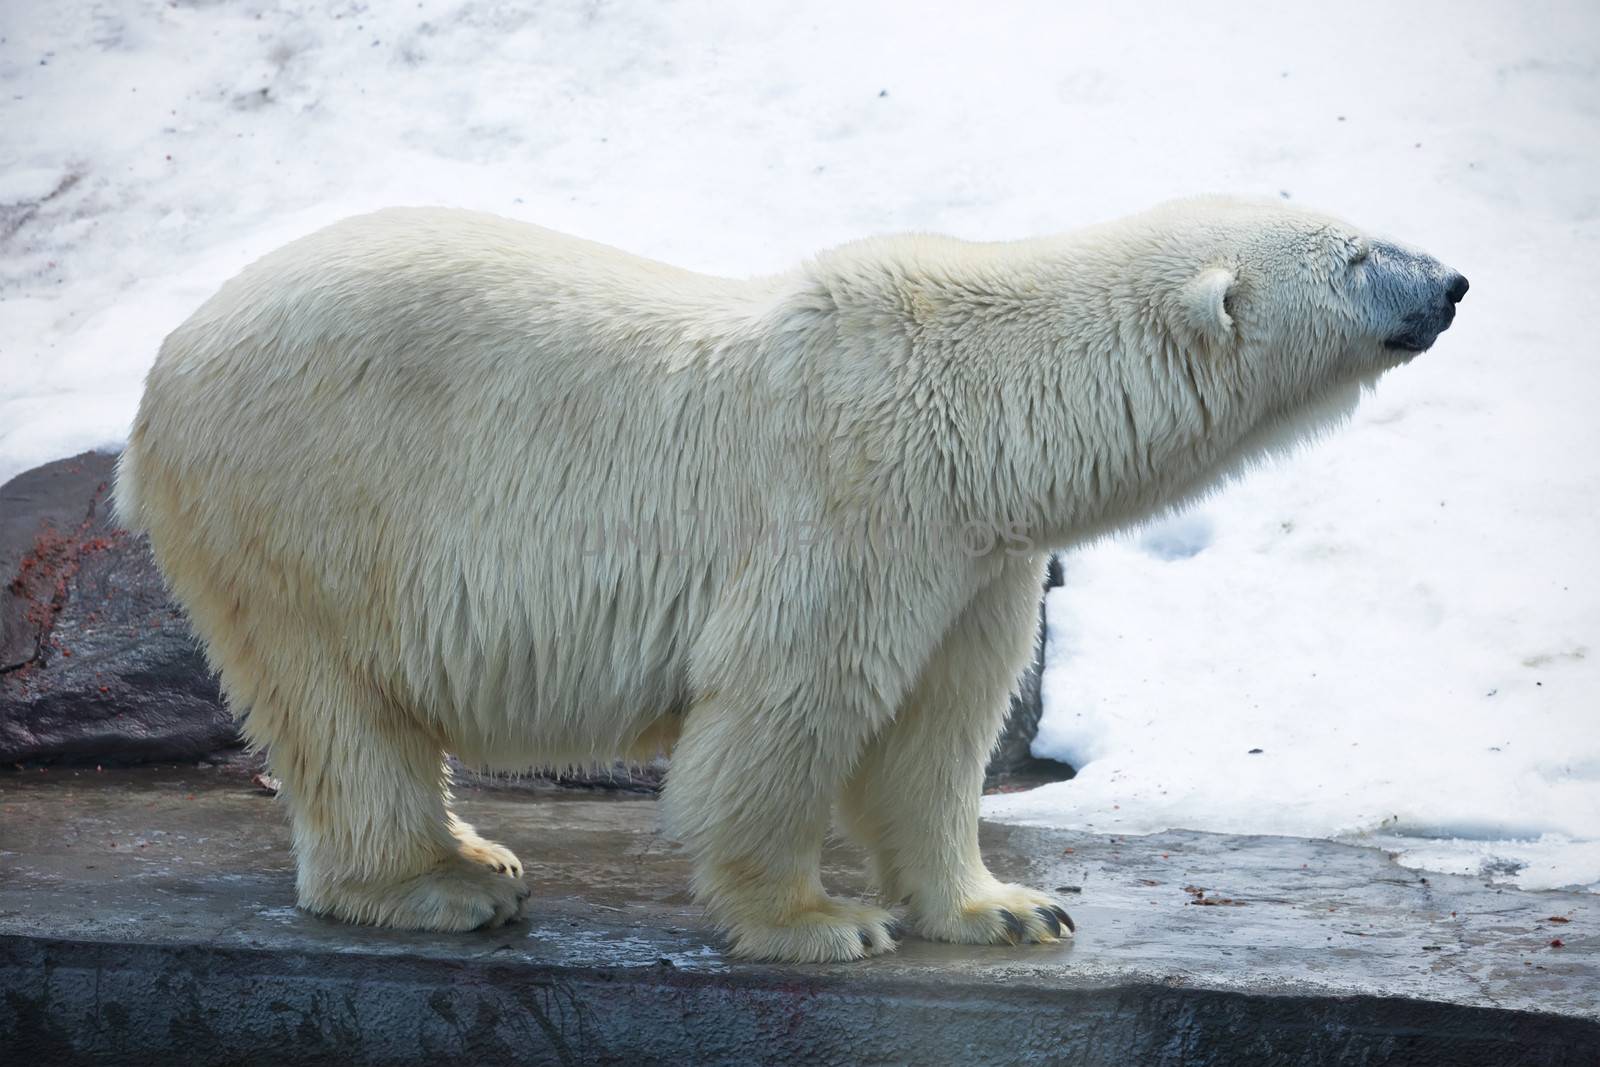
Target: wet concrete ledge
{"type": "Point", "coordinates": [146, 917]}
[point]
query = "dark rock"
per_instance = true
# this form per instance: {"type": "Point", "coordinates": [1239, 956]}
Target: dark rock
{"type": "Point", "coordinates": [96, 663]}
{"type": "Point", "coordinates": [1013, 764]}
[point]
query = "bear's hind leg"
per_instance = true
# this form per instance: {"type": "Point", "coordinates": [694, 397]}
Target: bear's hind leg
{"type": "Point", "coordinates": [912, 802]}
{"type": "Point", "coordinates": [374, 839]}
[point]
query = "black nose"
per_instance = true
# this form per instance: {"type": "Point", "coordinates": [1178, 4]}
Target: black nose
{"type": "Point", "coordinates": [1458, 289]}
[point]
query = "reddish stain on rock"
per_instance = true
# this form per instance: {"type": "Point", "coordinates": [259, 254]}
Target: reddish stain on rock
{"type": "Point", "coordinates": [45, 573]}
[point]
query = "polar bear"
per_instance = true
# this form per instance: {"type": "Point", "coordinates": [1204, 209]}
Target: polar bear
{"type": "Point", "coordinates": [431, 480]}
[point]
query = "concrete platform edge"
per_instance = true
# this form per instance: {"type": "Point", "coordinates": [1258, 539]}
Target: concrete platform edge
{"type": "Point", "coordinates": [81, 1002]}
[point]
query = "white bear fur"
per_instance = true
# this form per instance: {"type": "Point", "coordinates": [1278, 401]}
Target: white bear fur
{"type": "Point", "coordinates": [375, 468]}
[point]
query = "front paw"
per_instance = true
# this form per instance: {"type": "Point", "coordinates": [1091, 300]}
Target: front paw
{"type": "Point", "coordinates": [830, 930]}
{"type": "Point", "coordinates": [999, 914]}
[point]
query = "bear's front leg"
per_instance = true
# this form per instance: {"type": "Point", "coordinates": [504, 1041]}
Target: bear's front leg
{"type": "Point", "coordinates": [913, 800]}
{"type": "Point", "coordinates": [750, 791]}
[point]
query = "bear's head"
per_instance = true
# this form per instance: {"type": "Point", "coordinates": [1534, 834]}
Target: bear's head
{"type": "Point", "coordinates": [1267, 321]}
{"type": "Point", "coordinates": [1300, 298]}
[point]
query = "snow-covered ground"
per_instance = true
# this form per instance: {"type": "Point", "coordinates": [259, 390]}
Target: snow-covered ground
{"type": "Point", "coordinates": [1405, 619]}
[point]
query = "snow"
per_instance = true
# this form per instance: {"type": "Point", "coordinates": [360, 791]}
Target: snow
{"type": "Point", "coordinates": [1404, 618]}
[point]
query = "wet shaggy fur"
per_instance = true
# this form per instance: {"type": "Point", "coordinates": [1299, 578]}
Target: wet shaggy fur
{"type": "Point", "coordinates": [431, 480]}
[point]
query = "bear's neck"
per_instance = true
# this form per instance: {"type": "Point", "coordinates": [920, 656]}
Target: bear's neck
{"type": "Point", "coordinates": [1022, 384]}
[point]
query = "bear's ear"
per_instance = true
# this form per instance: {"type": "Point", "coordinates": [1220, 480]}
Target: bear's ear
{"type": "Point", "coordinates": [1205, 303]}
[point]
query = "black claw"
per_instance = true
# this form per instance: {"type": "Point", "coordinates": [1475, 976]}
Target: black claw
{"type": "Point", "coordinates": [1066, 920]}
{"type": "Point", "coordinates": [866, 939]}
{"type": "Point", "coordinates": [1050, 920]}
{"type": "Point", "coordinates": [896, 931]}
{"type": "Point", "coordinates": [1014, 927]}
